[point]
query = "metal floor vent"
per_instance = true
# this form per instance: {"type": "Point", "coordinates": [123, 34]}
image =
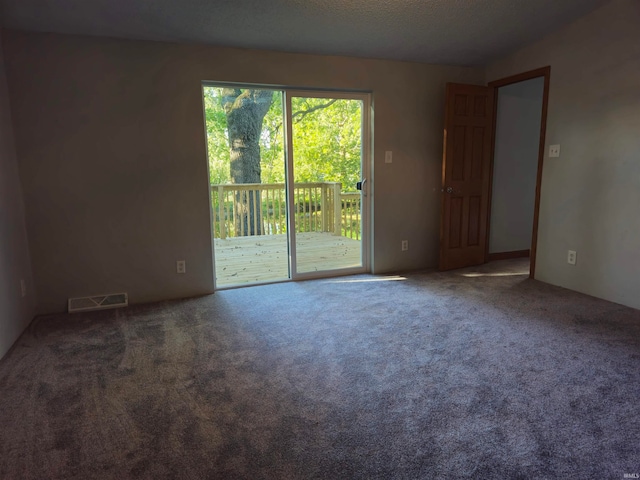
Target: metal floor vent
{"type": "Point", "coordinates": [98, 302]}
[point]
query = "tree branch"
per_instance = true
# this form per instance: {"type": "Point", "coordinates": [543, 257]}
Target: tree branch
{"type": "Point", "coordinates": [303, 113]}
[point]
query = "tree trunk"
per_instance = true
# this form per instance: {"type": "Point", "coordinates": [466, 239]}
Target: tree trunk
{"type": "Point", "coordinates": [245, 111]}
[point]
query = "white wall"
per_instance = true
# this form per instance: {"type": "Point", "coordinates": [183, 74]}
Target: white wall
{"type": "Point", "coordinates": [515, 165]}
{"type": "Point", "coordinates": [15, 311]}
{"type": "Point", "coordinates": [590, 199]}
{"type": "Point", "coordinates": [110, 139]}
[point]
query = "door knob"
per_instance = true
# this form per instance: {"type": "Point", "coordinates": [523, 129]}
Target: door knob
{"type": "Point", "coordinates": [449, 190]}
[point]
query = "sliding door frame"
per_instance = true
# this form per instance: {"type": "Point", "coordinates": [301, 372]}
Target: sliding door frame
{"type": "Point", "coordinates": [367, 173]}
{"type": "Point", "coordinates": [367, 188]}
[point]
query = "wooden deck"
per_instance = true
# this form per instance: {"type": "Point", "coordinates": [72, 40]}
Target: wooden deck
{"type": "Point", "coordinates": [264, 258]}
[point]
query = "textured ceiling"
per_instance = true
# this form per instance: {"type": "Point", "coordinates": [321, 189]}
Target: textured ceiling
{"type": "Point", "coordinates": [461, 32]}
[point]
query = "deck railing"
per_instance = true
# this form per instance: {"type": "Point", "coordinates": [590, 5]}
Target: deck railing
{"type": "Point", "coordinates": [242, 209]}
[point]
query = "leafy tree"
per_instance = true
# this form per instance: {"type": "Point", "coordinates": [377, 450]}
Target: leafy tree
{"type": "Point", "coordinates": [327, 140]}
{"type": "Point", "coordinates": [245, 109]}
{"type": "Point", "coordinates": [246, 142]}
{"type": "Point", "coordinates": [217, 138]}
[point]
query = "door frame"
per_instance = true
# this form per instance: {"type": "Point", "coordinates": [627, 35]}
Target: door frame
{"type": "Point", "coordinates": [366, 227]}
{"type": "Point", "coordinates": [544, 72]}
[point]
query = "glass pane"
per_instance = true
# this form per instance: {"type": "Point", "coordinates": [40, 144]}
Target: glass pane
{"type": "Point", "coordinates": [247, 174]}
{"type": "Point", "coordinates": [327, 160]}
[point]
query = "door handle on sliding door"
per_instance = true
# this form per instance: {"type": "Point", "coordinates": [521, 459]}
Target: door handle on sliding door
{"type": "Point", "coordinates": [360, 185]}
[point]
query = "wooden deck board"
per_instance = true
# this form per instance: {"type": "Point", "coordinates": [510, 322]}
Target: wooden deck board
{"type": "Point", "coordinates": [264, 258]}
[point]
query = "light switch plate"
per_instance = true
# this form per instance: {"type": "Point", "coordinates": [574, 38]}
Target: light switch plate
{"type": "Point", "coordinates": [388, 156]}
{"type": "Point", "coordinates": [554, 151]}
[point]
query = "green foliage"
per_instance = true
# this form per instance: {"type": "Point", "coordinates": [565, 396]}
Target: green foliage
{"type": "Point", "coordinates": [272, 143]}
{"type": "Point", "coordinates": [217, 140]}
{"type": "Point", "coordinates": [326, 140]}
{"type": "Point", "coordinates": [326, 147]}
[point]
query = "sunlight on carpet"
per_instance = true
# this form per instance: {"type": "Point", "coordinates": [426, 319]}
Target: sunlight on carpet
{"type": "Point", "coordinates": [494, 274]}
{"type": "Point", "coordinates": [365, 280]}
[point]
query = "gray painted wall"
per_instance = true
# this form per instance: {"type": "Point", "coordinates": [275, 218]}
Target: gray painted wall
{"type": "Point", "coordinates": [15, 311]}
{"type": "Point", "coordinates": [590, 199]}
{"type": "Point", "coordinates": [110, 138]}
{"type": "Point", "coordinates": [515, 165]}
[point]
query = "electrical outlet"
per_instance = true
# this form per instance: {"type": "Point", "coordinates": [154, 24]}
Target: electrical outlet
{"type": "Point", "coordinates": [572, 256]}
{"type": "Point", "coordinates": [554, 151]}
{"type": "Point", "coordinates": [405, 245]}
{"type": "Point", "coordinates": [181, 266]}
{"type": "Point", "coordinates": [23, 288]}
{"type": "Point", "coordinates": [388, 156]}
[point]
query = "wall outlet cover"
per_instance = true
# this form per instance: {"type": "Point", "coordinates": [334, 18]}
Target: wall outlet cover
{"type": "Point", "coordinates": [181, 266]}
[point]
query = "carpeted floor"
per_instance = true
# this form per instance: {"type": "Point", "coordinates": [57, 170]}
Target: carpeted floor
{"type": "Point", "coordinates": [479, 373]}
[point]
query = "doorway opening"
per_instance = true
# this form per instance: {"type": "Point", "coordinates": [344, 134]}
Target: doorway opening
{"type": "Point", "coordinates": [516, 166]}
{"type": "Point", "coordinates": [288, 176]}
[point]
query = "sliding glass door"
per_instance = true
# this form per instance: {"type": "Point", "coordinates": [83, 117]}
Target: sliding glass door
{"type": "Point", "coordinates": [247, 172]}
{"type": "Point", "coordinates": [327, 145]}
{"type": "Point", "coordinates": [288, 182]}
